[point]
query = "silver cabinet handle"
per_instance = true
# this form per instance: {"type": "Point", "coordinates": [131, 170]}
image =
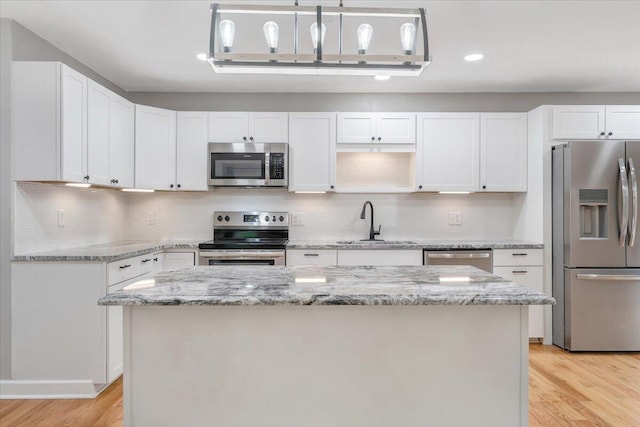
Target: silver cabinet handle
{"type": "Point", "coordinates": [519, 271]}
{"type": "Point", "coordinates": [634, 203]}
{"type": "Point", "coordinates": [520, 254]}
{"type": "Point", "coordinates": [458, 256]}
{"type": "Point", "coordinates": [311, 254]}
{"type": "Point", "coordinates": [614, 277]}
{"type": "Point", "coordinates": [623, 215]}
{"type": "Point", "coordinates": [243, 255]}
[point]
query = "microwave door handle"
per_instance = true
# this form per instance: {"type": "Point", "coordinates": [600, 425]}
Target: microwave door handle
{"type": "Point", "coordinates": [267, 167]}
{"type": "Point", "coordinates": [633, 223]}
{"type": "Point", "coordinates": [623, 214]}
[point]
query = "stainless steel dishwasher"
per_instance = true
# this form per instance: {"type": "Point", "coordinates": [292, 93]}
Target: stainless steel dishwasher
{"type": "Point", "coordinates": [480, 258]}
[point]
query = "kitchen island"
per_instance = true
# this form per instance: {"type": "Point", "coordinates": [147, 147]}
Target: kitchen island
{"type": "Point", "coordinates": [325, 346]}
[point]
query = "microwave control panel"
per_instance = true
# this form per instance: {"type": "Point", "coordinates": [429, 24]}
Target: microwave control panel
{"type": "Point", "coordinates": [276, 166]}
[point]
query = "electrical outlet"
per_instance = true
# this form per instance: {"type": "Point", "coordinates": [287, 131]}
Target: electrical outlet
{"type": "Point", "coordinates": [60, 217]}
{"type": "Point", "coordinates": [455, 218]}
{"type": "Point", "coordinates": [296, 219]}
{"type": "Point", "coordinates": [151, 218]}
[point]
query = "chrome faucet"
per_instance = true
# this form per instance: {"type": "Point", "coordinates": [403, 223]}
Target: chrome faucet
{"type": "Point", "coordinates": [372, 232]}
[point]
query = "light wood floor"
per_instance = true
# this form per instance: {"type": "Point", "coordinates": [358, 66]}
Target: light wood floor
{"type": "Point", "coordinates": [594, 389]}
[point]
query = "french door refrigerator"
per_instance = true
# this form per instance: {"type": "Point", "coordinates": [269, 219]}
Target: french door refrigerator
{"type": "Point", "coordinates": [596, 247]}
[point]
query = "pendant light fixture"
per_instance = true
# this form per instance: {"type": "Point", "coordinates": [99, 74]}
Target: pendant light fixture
{"type": "Point", "coordinates": [271, 29]}
{"type": "Point", "coordinates": [410, 61]}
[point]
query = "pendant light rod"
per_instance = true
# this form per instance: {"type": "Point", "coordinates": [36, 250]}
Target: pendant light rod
{"type": "Point", "coordinates": [319, 30]}
{"type": "Point", "coordinates": [423, 18]}
{"type": "Point", "coordinates": [215, 23]}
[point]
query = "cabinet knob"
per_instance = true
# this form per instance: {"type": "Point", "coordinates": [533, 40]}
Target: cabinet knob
{"type": "Point", "coordinates": [601, 133]}
{"type": "Point", "coordinates": [171, 186]}
{"type": "Point", "coordinates": [86, 177]}
{"type": "Point", "coordinates": [610, 133]}
{"type": "Point", "coordinates": [379, 138]}
{"type": "Point", "coordinates": [116, 181]}
{"type": "Point", "coordinates": [484, 187]}
{"type": "Point", "coordinates": [332, 187]}
{"type": "Point", "coordinates": [251, 138]}
{"type": "Point", "coordinates": [179, 186]}
{"type": "Point", "coordinates": [420, 187]}
{"type": "Point", "coordinates": [373, 138]}
{"type": "Point", "coordinates": [244, 138]}
{"type": "Point", "coordinates": [155, 260]}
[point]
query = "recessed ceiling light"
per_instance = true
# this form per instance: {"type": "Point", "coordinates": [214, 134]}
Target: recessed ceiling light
{"type": "Point", "coordinates": [382, 78]}
{"type": "Point", "coordinates": [202, 56]}
{"type": "Point", "coordinates": [474, 57]}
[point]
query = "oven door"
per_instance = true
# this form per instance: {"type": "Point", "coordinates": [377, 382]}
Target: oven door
{"type": "Point", "coordinates": [238, 165]}
{"type": "Point", "coordinates": [240, 257]}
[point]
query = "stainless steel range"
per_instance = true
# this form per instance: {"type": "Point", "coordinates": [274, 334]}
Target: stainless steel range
{"type": "Point", "coordinates": [247, 238]}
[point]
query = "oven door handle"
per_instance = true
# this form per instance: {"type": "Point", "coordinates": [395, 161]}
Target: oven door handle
{"type": "Point", "coordinates": [243, 255]}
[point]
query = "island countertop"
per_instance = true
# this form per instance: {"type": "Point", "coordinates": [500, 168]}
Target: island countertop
{"type": "Point", "coordinates": [333, 285]}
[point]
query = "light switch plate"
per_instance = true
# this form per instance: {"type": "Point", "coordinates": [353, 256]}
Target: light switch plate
{"type": "Point", "coordinates": [151, 218]}
{"type": "Point", "coordinates": [296, 219]}
{"type": "Point", "coordinates": [60, 217]}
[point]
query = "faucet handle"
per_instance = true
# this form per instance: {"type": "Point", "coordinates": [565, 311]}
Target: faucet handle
{"type": "Point", "coordinates": [377, 233]}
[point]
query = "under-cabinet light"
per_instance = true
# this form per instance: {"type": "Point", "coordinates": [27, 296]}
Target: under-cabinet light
{"type": "Point", "coordinates": [454, 192]}
{"type": "Point", "coordinates": [474, 57]}
{"type": "Point", "coordinates": [137, 190]}
{"type": "Point", "coordinates": [77, 184]}
{"type": "Point", "coordinates": [202, 56]}
{"type": "Point", "coordinates": [310, 192]}
{"type": "Point", "coordinates": [382, 78]}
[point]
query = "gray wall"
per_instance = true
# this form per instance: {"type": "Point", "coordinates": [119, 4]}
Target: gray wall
{"type": "Point", "coordinates": [374, 101]}
{"type": "Point", "coordinates": [5, 198]}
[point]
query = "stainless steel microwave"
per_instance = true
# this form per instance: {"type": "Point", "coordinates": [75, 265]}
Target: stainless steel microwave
{"type": "Point", "coordinates": [248, 165]}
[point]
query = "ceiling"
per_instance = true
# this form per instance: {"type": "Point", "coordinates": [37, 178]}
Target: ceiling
{"type": "Point", "coordinates": [529, 46]}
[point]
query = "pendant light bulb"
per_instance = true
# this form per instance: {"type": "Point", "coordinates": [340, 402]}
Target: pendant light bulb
{"type": "Point", "coordinates": [227, 31]}
{"type": "Point", "coordinates": [271, 29]}
{"type": "Point", "coordinates": [314, 35]}
{"type": "Point", "coordinates": [407, 35]}
{"type": "Point", "coordinates": [365, 31]}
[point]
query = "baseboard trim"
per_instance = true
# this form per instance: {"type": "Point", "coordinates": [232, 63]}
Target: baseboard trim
{"type": "Point", "coordinates": [49, 389]}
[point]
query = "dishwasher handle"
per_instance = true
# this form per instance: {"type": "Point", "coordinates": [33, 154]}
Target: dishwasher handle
{"type": "Point", "coordinates": [459, 256]}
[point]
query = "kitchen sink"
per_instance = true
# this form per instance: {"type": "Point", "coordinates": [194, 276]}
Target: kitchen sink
{"type": "Point", "coordinates": [373, 242]}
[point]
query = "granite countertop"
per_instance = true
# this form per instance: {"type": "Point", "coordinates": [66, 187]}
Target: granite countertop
{"type": "Point", "coordinates": [107, 252]}
{"type": "Point", "coordinates": [250, 285]}
{"type": "Point", "coordinates": [414, 244]}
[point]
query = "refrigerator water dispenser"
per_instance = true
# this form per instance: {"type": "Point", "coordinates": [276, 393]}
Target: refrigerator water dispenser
{"type": "Point", "coordinates": [593, 213]}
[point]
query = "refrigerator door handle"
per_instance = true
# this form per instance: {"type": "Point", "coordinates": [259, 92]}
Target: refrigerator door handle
{"type": "Point", "coordinates": [613, 277]}
{"type": "Point", "coordinates": [633, 223]}
{"type": "Point", "coordinates": [623, 212]}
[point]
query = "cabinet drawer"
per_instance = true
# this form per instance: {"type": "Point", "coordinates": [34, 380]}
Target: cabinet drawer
{"type": "Point", "coordinates": [129, 268]}
{"type": "Point", "coordinates": [175, 260]}
{"type": "Point", "coordinates": [531, 277]}
{"type": "Point", "coordinates": [517, 257]}
{"type": "Point", "coordinates": [379, 257]}
{"type": "Point", "coordinates": [312, 257]}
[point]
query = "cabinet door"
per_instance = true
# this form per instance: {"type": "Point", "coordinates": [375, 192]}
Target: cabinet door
{"type": "Point", "coordinates": [173, 260]}
{"type": "Point", "coordinates": [73, 116]}
{"type": "Point", "coordinates": [503, 151]}
{"type": "Point", "coordinates": [379, 257]}
{"type": "Point", "coordinates": [623, 121]}
{"type": "Point", "coordinates": [191, 151]}
{"type": "Point", "coordinates": [228, 127]}
{"type": "Point", "coordinates": [155, 158]}
{"type": "Point", "coordinates": [448, 152]}
{"type": "Point", "coordinates": [356, 128]}
{"type": "Point", "coordinates": [98, 133]}
{"type": "Point", "coordinates": [578, 122]}
{"type": "Point", "coordinates": [121, 141]}
{"type": "Point", "coordinates": [269, 127]}
{"type": "Point", "coordinates": [312, 151]}
{"type": "Point", "coordinates": [396, 128]}
{"type": "Point", "coordinates": [532, 278]}
{"type": "Point", "coordinates": [312, 257]}
{"type": "Point", "coordinates": [115, 343]}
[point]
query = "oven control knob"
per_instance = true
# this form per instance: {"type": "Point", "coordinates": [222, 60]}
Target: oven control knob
{"type": "Point", "coordinates": [266, 218]}
{"type": "Point", "coordinates": [274, 218]}
{"type": "Point", "coordinates": [281, 218]}
{"type": "Point", "coordinates": [226, 218]}
{"type": "Point", "coordinates": [219, 217]}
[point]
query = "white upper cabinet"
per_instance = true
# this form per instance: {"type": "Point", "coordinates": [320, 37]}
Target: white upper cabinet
{"type": "Point", "coordinates": [191, 151]}
{"type": "Point", "coordinates": [49, 122]}
{"type": "Point", "coordinates": [448, 152]}
{"type": "Point", "coordinates": [155, 152]}
{"type": "Point", "coordinates": [623, 121]}
{"type": "Point", "coordinates": [503, 152]}
{"type": "Point", "coordinates": [376, 128]}
{"type": "Point", "coordinates": [110, 137]}
{"type": "Point", "coordinates": [596, 122]}
{"type": "Point", "coordinates": [121, 141]}
{"type": "Point", "coordinates": [248, 127]}
{"type": "Point", "coordinates": [312, 139]}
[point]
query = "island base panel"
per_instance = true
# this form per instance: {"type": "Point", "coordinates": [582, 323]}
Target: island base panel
{"type": "Point", "coordinates": [326, 366]}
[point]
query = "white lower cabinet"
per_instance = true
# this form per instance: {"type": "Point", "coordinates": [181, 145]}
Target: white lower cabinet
{"type": "Point", "coordinates": [525, 267]}
{"type": "Point", "coordinates": [312, 257]}
{"type": "Point", "coordinates": [173, 260]}
{"type": "Point", "coordinates": [380, 257]}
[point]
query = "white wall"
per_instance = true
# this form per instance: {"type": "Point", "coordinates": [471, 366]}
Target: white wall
{"type": "Point", "coordinates": [326, 216]}
{"type": "Point", "coordinates": [91, 216]}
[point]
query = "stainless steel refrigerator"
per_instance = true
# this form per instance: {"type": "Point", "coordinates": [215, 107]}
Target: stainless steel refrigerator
{"type": "Point", "coordinates": [596, 247]}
